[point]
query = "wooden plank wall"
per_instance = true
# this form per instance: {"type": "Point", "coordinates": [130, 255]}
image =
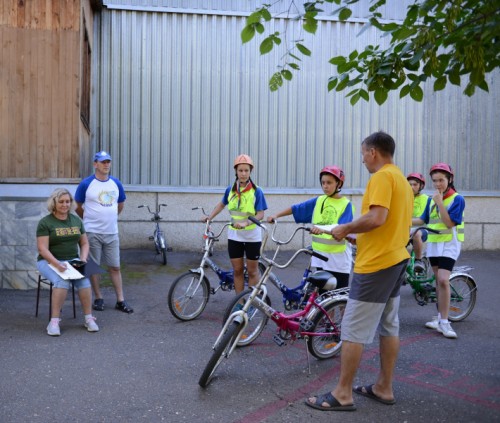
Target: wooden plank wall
{"type": "Point", "coordinates": [39, 90]}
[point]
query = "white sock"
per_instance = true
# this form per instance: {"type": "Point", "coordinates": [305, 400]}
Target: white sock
{"type": "Point", "coordinates": [88, 316]}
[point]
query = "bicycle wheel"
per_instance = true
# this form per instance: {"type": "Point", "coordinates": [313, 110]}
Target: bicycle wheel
{"type": "Point", "coordinates": [257, 320]}
{"type": "Point", "coordinates": [164, 255]}
{"type": "Point", "coordinates": [221, 351]}
{"type": "Point", "coordinates": [463, 297]}
{"type": "Point", "coordinates": [188, 296]}
{"type": "Point", "coordinates": [323, 347]}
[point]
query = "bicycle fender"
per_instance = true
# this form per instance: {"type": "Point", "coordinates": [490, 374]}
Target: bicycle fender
{"type": "Point", "coordinates": [324, 303]}
{"type": "Point", "coordinates": [465, 275]}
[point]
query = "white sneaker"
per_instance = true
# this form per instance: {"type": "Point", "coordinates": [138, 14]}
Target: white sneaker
{"type": "Point", "coordinates": [91, 325]}
{"type": "Point", "coordinates": [53, 327]}
{"type": "Point", "coordinates": [446, 330]}
{"type": "Point", "coordinates": [433, 324]}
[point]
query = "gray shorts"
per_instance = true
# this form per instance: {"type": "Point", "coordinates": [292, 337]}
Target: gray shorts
{"type": "Point", "coordinates": [104, 249]}
{"type": "Point", "coordinates": [373, 302]}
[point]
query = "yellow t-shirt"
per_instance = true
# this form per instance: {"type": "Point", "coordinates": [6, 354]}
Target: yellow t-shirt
{"type": "Point", "coordinates": [385, 246]}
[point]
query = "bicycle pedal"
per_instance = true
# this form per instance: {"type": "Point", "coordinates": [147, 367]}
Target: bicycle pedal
{"type": "Point", "coordinates": [169, 249]}
{"type": "Point", "coordinates": [280, 342]}
{"type": "Point", "coordinates": [151, 238]}
{"type": "Point", "coordinates": [306, 325]}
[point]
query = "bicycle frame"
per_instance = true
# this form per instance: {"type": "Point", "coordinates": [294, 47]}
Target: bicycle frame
{"type": "Point", "coordinates": [159, 237]}
{"type": "Point", "coordinates": [293, 298]}
{"type": "Point", "coordinates": [291, 323]}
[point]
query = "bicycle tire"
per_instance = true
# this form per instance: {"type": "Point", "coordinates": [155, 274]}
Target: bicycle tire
{"type": "Point", "coordinates": [164, 255]}
{"type": "Point", "coordinates": [221, 351]}
{"type": "Point", "coordinates": [462, 297]}
{"type": "Point", "coordinates": [323, 347]}
{"type": "Point", "coordinates": [257, 320]}
{"type": "Point", "coordinates": [184, 304]}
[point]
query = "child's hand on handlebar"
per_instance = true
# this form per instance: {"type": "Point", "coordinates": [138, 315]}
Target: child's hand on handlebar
{"type": "Point", "coordinates": [317, 231]}
{"type": "Point", "coordinates": [271, 219]}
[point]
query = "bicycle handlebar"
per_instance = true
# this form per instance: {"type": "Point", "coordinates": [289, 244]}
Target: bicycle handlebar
{"type": "Point", "coordinates": [208, 232]}
{"type": "Point", "coordinates": [277, 241]}
{"type": "Point", "coordinates": [157, 212]}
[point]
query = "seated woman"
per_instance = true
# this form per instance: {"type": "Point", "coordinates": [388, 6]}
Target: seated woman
{"type": "Point", "coordinates": [61, 237]}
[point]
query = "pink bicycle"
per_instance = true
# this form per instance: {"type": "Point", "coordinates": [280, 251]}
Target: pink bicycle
{"type": "Point", "coordinates": [318, 323]}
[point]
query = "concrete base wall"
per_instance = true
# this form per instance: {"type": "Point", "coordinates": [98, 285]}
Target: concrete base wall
{"type": "Point", "coordinates": [21, 211]}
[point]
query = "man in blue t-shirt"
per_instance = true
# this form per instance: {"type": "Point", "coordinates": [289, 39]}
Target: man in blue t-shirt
{"type": "Point", "coordinates": [99, 200]}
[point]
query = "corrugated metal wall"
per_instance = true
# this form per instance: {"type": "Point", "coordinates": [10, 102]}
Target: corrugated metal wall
{"type": "Point", "coordinates": [178, 96]}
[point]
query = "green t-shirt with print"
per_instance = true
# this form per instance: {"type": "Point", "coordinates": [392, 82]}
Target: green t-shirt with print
{"type": "Point", "coordinates": [64, 235]}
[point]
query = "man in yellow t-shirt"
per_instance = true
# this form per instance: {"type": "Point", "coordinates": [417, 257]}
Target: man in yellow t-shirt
{"type": "Point", "coordinates": [383, 228]}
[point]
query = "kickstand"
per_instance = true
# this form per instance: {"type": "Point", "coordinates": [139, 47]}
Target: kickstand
{"type": "Point", "coordinates": [307, 355]}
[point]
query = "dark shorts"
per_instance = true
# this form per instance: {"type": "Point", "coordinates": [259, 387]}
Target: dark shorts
{"type": "Point", "coordinates": [237, 249]}
{"type": "Point", "coordinates": [445, 263]}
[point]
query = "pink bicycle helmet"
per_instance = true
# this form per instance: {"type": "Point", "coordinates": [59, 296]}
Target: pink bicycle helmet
{"type": "Point", "coordinates": [442, 167]}
{"type": "Point", "coordinates": [418, 176]}
{"type": "Point", "coordinates": [335, 171]}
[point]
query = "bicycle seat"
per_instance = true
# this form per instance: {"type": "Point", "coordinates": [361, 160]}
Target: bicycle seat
{"type": "Point", "coordinates": [322, 280]}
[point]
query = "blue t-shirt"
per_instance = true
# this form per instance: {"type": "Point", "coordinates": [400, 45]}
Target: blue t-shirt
{"type": "Point", "coordinates": [303, 212]}
{"type": "Point", "coordinates": [455, 210]}
{"type": "Point", "coordinates": [252, 235]}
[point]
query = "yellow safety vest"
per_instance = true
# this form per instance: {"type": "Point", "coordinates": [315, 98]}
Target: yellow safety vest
{"type": "Point", "coordinates": [419, 203]}
{"type": "Point", "coordinates": [327, 212]}
{"type": "Point", "coordinates": [246, 207]}
{"type": "Point", "coordinates": [436, 223]}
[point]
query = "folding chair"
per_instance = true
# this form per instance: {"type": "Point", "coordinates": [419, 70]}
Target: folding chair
{"type": "Point", "coordinates": [41, 280]}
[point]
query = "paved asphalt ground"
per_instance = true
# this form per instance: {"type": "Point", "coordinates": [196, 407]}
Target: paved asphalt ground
{"type": "Point", "coordinates": [145, 367]}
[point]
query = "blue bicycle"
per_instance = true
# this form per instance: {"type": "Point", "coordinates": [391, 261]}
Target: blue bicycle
{"type": "Point", "coordinates": [189, 293]}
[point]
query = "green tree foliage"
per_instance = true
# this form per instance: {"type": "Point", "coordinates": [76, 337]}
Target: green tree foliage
{"type": "Point", "coordinates": [446, 40]}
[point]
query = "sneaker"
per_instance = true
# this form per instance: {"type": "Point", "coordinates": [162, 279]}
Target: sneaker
{"type": "Point", "coordinates": [91, 325]}
{"type": "Point", "coordinates": [433, 324]}
{"type": "Point", "coordinates": [446, 330]}
{"type": "Point", "coordinates": [53, 327]}
{"type": "Point", "coordinates": [419, 266]}
{"type": "Point", "coordinates": [123, 306]}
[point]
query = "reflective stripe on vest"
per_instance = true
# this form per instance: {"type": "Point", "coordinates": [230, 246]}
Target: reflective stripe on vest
{"type": "Point", "coordinates": [436, 223]}
{"type": "Point", "coordinates": [246, 209]}
{"type": "Point", "coordinates": [327, 212]}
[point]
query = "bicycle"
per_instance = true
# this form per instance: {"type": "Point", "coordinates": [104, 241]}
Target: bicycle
{"type": "Point", "coordinates": [293, 299]}
{"type": "Point", "coordinates": [189, 293]}
{"type": "Point", "coordinates": [318, 323]}
{"type": "Point", "coordinates": [463, 287]}
{"type": "Point", "coordinates": [158, 236]}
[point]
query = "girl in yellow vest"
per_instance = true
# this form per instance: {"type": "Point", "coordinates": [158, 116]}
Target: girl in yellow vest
{"type": "Point", "coordinates": [328, 209]}
{"type": "Point", "coordinates": [444, 213]}
{"type": "Point", "coordinates": [420, 202]}
{"type": "Point", "coordinates": [243, 199]}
